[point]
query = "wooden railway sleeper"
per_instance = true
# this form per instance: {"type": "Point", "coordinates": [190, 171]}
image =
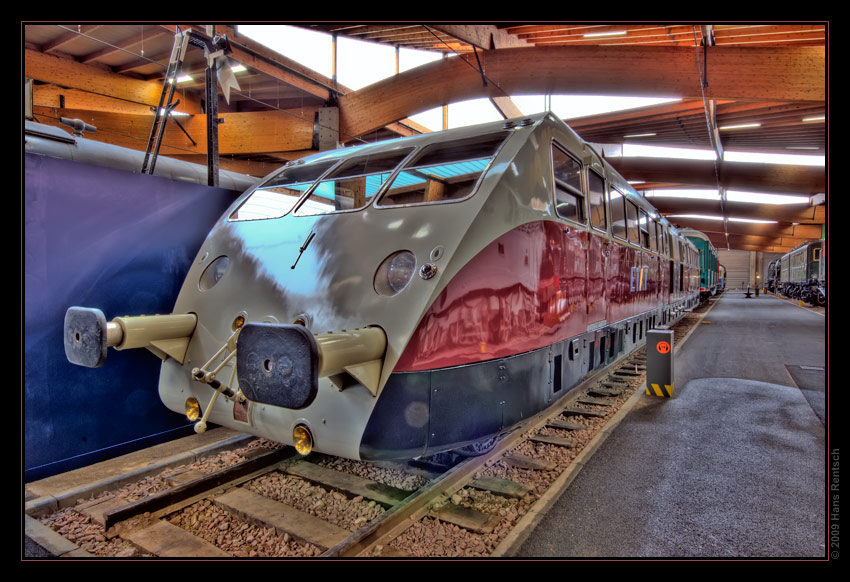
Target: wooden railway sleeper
{"type": "Point", "coordinates": [227, 476]}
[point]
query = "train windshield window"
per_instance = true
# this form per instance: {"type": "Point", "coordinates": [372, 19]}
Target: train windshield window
{"type": "Point", "coordinates": [353, 184]}
{"type": "Point", "coordinates": [569, 200]}
{"type": "Point", "coordinates": [443, 172]}
{"type": "Point", "coordinates": [277, 196]}
{"type": "Point", "coordinates": [618, 214]}
{"type": "Point", "coordinates": [596, 195]}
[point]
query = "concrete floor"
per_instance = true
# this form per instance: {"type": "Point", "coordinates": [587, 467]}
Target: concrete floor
{"type": "Point", "coordinates": [732, 466]}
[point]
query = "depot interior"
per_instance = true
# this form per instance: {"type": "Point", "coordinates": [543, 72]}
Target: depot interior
{"type": "Point", "coordinates": [745, 103]}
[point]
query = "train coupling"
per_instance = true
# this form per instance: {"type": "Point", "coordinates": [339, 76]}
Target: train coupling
{"type": "Point", "coordinates": [280, 364]}
{"type": "Point", "coordinates": [88, 335]}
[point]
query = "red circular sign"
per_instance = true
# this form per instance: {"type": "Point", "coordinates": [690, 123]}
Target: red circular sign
{"type": "Point", "coordinates": [662, 347]}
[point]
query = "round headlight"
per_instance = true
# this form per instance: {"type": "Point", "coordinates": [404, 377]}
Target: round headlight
{"type": "Point", "coordinates": [213, 273]}
{"type": "Point", "coordinates": [193, 409]}
{"type": "Point", "coordinates": [302, 439]}
{"type": "Point", "coordinates": [394, 274]}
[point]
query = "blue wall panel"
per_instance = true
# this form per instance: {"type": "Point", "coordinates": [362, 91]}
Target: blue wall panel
{"type": "Point", "coordinates": [121, 242]}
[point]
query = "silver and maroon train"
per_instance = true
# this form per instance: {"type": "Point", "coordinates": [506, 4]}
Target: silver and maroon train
{"type": "Point", "coordinates": [411, 296]}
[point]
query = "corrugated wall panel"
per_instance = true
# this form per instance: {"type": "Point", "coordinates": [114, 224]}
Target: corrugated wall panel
{"type": "Point", "coordinates": [737, 265]}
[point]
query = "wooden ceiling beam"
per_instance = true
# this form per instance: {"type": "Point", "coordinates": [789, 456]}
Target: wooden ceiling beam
{"type": "Point", "coordinates": [782, 74]}
{"type": "Point", "coordinates": [74, 75]}
{"type": "Point", "coordinates": [683, 35]}
{"type": "Point", "coordinates": [62, 97]}
{"type": "Point", "coordinates": [769, 230]}
{"type": "Point", "coordinates": [744, 242]}
{"type": "Point", "coordinates": [751, 236]}
{"type": "Point", "coordinates": [781, 241]}
{"type": "Point", "coordinates": [241, 133]}
{"type": "Point", "coordinates": [671, 121]}
{"type": "Point", "coordinates": [671, 111]}
{"type": "Point", "coordinates": [534, 33]}
{"type": "Point", "coordinates": [482, 36]}
{"type": "Point", "coordinates": [121, 46]}
{"type": "Point", "coordinates": [140, 63]}
{"type": "Point", "coordinates": [68, 37]}
{"type": "Point", "coordinates": [776, 178]}
{"type": "Point", "coordinates": [800, 213]}
{"type": "Point", "coordinates": [506, 107]}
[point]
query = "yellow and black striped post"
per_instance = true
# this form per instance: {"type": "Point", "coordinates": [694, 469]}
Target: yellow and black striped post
{"type": "Point", "coordinates": [659, 363]}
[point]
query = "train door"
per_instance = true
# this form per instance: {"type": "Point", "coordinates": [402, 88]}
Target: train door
{"type": "Point", "coordinates": [647, 274]}
{"type": "Point", "coordinates": [617, 261]}
{"type": "Point", "coordinates": [571, 267]}
{"type": "Point", "coordinates": [663, 270]}
{"type": "Point", "coordinates": [598, 250]}
{"type": "Point", "coordinates": [655, 279]}
{"type": "Point", "coordinates": [673, 271]}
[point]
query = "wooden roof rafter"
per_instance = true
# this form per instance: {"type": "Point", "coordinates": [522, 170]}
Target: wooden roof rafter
{"type": "Point", "coordinates": [780, 85]}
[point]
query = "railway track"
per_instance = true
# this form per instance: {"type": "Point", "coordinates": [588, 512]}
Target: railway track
{"type": "Point", "coordinates": [264, 500]}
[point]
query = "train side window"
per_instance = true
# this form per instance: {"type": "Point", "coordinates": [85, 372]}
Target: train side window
{"type": "Point", "coordinates": [279, 194]}
{"type": "Point", "coordinates": [569, 200]}
{"type": "Point", "coordinates": [596, 197]}
{"type": "Point", "coordinates": [353, 184]}
{"type": "Point", "coordinates": [632, 222]}
{"type": "Point", "coordinates": [443, 172]}
{"type": "Point", "coordinates": [643, 225]}
{"type": "Point", "coordinates": [618, 214]}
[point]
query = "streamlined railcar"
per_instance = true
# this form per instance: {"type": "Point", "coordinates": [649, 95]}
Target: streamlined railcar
{"type": "Point", "coordinates": [709, 275]}
{"type": "Point", "coordinates": [412, 296]}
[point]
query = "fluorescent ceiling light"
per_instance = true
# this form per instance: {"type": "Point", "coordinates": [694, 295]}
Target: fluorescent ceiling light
{"type": "Point", "coordinates": [697, 216]}
{"type": "Point", "coordinates": [753, 220]}
{"type": "Point", "coordinates": [799, 160]}
{"type": "Point", "coordinates": [633, 150]}
{"type": "Point", "coordinates": [741, 126]}
{"type": "Point", "coordinates": [820, 118]}
{"type": "Point", "coordinates": [765, 198]}
{"type": "Point", "coordinates": [639, 135]}
{"type": "Point", "coordinates": [697, 194]}
{"type": "Point", "coordinates": [731, 195]}
{"type": "Point", "coordinates": [238, 69]}
{"type": "Point", "coordinates": [703, 217]}
{"type": "Point", "coordinates": [612, 33]}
